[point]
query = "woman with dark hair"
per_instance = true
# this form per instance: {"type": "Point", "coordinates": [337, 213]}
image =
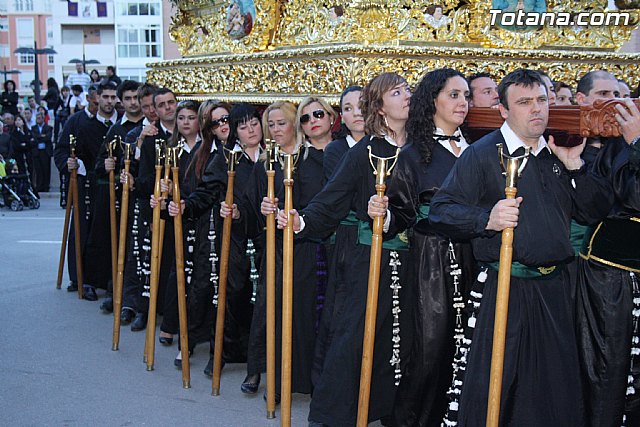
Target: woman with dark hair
{"type": "Point", "coordinates": [444, 268]}
{"type": "Point", "coordinates": [95, 77]}
{"type": "Point", "coordinates": [195, 234]}
{"type": "Point", "coordinates": [385, 108]}
{"type": "Point", "coordinates": [22, 142]}
{"type": "Point", "coordinates": [350, 132]}
{"type": "Point", "coordinates": [10, 98]}
{"type": "Point", "coordinates": [244, 138]}
{"type": "Point", "coordinates": [52, 97]}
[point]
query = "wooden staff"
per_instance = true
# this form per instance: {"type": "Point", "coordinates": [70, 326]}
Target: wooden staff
{"type": "Point", "coordinates": [65, 237]}
{"type": "Point", "coordinates": [112, 213]}
{"type": "Point", "coordinates": [287, 291]}
{"type": "Point", "coordinates": [511, 167]}
{"type": "Point", "coordinates": [381, 170]}
{"type": "Point", "coordinates": [182, 301]}
{"type": "Point", "coordinates": [156, 235]}
{"type": "Point", "coordinates": [272, 150]}
{"type": "Point", "coordinates": [232, 158]}
{"type": "Point", "coordinates": [76, 218]}
{"type": "Point", "coordinates": [122, 242]}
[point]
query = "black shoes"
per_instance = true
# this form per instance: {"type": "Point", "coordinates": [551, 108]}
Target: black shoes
{"type": "Point", "coordinates": [107, 306]}
{"type": "Point", "coordinates": [139, 323]}
{"type": "Point", "coordinates": [165, 340]}
{"type": "Point", "coordinates": [264, 396]}
{"type": "Point", "coordinates": [126, 316]}
{"type": "Point", "coordinates": [208, 371]}
{"type": "Point", "coordinates": [73, 287]}
{"type": "Point", "coordinates": [178, 360]}
{"type": "Point", "coordinates": [250, 384]}
{"type": "Point", "coordinates": [89, 293]}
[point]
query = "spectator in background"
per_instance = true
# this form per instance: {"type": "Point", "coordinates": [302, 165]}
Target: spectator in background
{"type": "Point", "coordinates": [52, 97]}
{"type": "Point", "coordinates": [42, 152]}
{"type": "Point", "coordinates": [78, 99]}
{"type": "Point", "coordinates": [79, 78]}
{"type": "Point", "coordinates": [44, 112]}
{"type": "Point", "coordinates": [62, 111]}
{"type": "Point", "coordinates": [8, 121]}
{"type": "Point", "coordinates": [32, 104]}
{"type": "Point", "coordinates": [21, 145]}
{"type": "Point", "coordinates": [5, 143]}
{"type": "Point", "coordinates": [10, 98]}
{"type": "Point", "coordinates": [95, 76]}
{"type": "Point", "coordinates": [111, 75]}
{"type": "Point", "coordinates": [29, 117]}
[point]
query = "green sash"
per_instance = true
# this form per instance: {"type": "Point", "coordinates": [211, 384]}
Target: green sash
{"type": "Point", "coordinates": [522, 271]}
{"type": "Point", "coordinates": [398, 243]}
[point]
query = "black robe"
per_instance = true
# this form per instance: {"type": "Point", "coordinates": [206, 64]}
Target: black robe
{"type": "Point", "coordinates": [346, 235]}
{"type": "Point", "coordinates": [541, 382]}
{"type": "Point", "coordinates": [444, 271]}
{"type": "Point", "coordinates": [307, 183]}
{"type": "Point", "coordinates": [89, 134]}
{"type": "Point", "coordinates": [335, 396]}
{"type": "Point", "coordinates": [608, 296]}
{"type": "Point", "coordinates": [208, 195]}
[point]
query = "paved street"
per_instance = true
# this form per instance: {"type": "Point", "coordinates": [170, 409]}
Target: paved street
{"type": "Point", "coordinates": [56, 363]}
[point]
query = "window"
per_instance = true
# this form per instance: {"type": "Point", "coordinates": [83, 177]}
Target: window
{"type": "Point", "coordinates": [24, 36]}
{"type": "Point", "coordinates": [23, 5]}
{"type": "Point", "coordinates": [135, 74]}
{"type": "Point", "coordinates": [26, 77]}
{"type": "Point", "coordinates": [139, 42]}
{"type": "Point", "coordinates": [4, 50]}
{"type": "Point", "coordinates": [149, 8]}
{"type": "Point", "coordinates": [49, 26]}
{"type": "Point", "coordinates": [4, 24]}
{"type": "Point", "coordinates": [50, 59]}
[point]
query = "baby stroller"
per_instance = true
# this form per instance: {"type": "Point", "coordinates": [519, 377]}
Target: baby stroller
{"type": "Point", "coordinates": [16, 191]}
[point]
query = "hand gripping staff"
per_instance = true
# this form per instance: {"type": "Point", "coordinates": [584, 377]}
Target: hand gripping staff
{"type": "Point", "coordinates": [512, 167]}
{"type": "Point", "coordinates": [381, 170]}
{"type": "Point", "coordinates": [76, 218]}
{"type": "Point", "coordinates": [288, 162]}
{"type": "Point", "coordinates": [272, 154]}
{"type": "Point", "coordinates": [174, 153]}
{"type": "Point", "coordinates": [157, 231]}
{"type": "Point", "coordinates": [127, 150]}
{"type": "Point", "coordinates": [232, 158]}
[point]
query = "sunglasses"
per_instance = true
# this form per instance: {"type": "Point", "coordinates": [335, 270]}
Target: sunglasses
{"type": "Point", "coordinates": [318, 114]}
{"type": "Point", "coordinates": [215, 124]}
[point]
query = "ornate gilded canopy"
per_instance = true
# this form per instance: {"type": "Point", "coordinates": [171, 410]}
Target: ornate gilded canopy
{"type": "Point", "coordinates": [263, 50]}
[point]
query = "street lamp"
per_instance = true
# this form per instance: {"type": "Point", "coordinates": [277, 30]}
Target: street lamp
{"type": "Point", "coordinates": [35, 52]}
{"type": "Point", "coordinates": [5, 72]}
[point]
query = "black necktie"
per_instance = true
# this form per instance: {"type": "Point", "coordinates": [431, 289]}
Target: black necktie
{"type": "Point", "coordinates": [108, 123]}
{"type": "Point", "coordinates": [446, 138]}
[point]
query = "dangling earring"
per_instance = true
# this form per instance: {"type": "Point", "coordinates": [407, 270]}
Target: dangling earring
{"type": "Point", "coordinates": [386, 122]}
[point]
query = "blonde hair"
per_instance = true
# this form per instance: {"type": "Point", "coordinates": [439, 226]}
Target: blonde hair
{"type": "Point", "coordinates": [289, 113]}
{"type": "Point", "coordinates": [301, 137]}
{"type": "Point", "coordinates": [371, 103]}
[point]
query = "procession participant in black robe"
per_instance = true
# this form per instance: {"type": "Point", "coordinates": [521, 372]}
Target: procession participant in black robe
{"type": "Point", "coordinates": [89, 128]}
{"type": "Point", "coordinates": [165, 103]}
{"type": "Point", "coordinates": [137, 258]}
{"type": "Point", "coordinates": [608, 296]}
{"type": "Point", "coordinates": [214, 125]}
{"type": "Point", "coordinates": [195, 231]}
{"type": "Point", "coordinates": [314, 120]}
{"type": "Point", "coordinates": [42, 152]}
{"type": "Point", "coordinates": [97, 253]}
{"type": "Point", "coordinates": [541, 380]}
{"type": "Point", "coordinates": [245, 137]}
{"type": "Point", "coordinates": [444, 269]}
{"type": "Point", "coordinates": [351, 131]}
{"type": "Point", "coordinates": [385, 107]}
{"type": "Point", "coordinates": [127, 92]}
{"type": "Point", "coordinates": [279, 125]}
